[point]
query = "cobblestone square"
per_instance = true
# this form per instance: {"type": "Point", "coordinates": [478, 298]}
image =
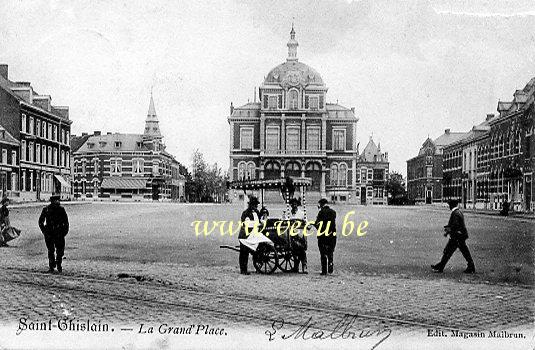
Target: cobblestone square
{"type": "Point", "coordinates": [129, 264]}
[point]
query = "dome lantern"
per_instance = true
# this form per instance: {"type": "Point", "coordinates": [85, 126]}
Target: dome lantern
{"type": "Point", "coordinates": [292, 46]}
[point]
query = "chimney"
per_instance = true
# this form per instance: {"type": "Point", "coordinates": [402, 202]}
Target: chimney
{"type": "Point", "coordinates": [84, 134]}
{"type": "Point", "coordinates": [96, 133]}
{"type": "Point", "coordinates": [4, 71]}
{"type": "Point", "coordinates": [231, 108]}
{"type": "Point", "coordinates": [447, 131]}
{"type": "Point", "coordinates": [353, 110]}
{"type": "Point", "coordinates": [61, 111]}
{"type": "Point", "coordinates": [24, 91]}
{"type": "Point", "coordinates": [43, 102]}
{"type": "Point", "coordinates": [108, 133]}
{"type": "Point", "coordinates": [489, 116]}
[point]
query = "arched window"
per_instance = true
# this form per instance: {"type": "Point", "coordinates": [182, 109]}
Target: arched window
{"type": "Point", "coordinates": [292, 169]}
{"type": "Point", "coordinates": [342, 175]}
{"type": "Point", "coordinates": [272, 166]}
{"type": "Point", "coordinates": [251, 170]}
{"type": "Point", "coordinates": [334, 174]}
{"type": "Point", "coordinates": [293, 99]}
{"type": "Point", "coordinates": [241, 170]}
{"type": "Point", "coordinates": [313, 171]}
{"type": "Point", "coordinates": [272, 170]}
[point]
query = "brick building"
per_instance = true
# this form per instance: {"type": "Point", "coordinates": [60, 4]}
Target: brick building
{"type": "Point", "coordinates": [493, 163]}
{"type": "Point", "coordinates": [372, 174]}
{"type": "Point", "coordinates": [42, 131]}
{"type": "Point", "coordinates": [424, 172]}
{"type": "Point", "coordinates": [511, 151]}
{"type": "Point", "coordinates": [293, 131]}
{"type": "Point", "coordinates": [460, 166]}
{"type": "Point", "coordinates": [126, 166]}
{"type": "Point", "coordinates": [9, 164]}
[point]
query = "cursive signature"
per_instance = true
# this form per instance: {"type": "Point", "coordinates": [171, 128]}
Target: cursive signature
{"type": "Point", "coordinates": [343, 329]}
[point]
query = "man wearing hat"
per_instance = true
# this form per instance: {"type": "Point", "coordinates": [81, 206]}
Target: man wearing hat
{"type": "Point", "coordinates": [54, 224]}
{"type": "Point", "coordinates": [458, 235]}
{"type": "Point", "coordinates": [250, 217]}
{"type": "Point", "coordinates": [326, 223]}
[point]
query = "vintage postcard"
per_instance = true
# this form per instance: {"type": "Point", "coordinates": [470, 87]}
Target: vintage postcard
{"type": "Point", "coordinates": [302, 174]}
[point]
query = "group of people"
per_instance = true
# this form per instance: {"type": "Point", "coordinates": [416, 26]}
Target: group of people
{"type": "Point", "coordinates": [326, 219]}
{"type": "Point", "coordinates": [54, 224]}
{"type": "Point", "coordinates": [455, 229]}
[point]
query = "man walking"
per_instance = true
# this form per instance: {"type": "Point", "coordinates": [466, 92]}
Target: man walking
{"type": "Point", "coordinates": [326, 226]}
{"type": "Point", "coordinates": [54, 224]}
{"type": "Point", "coordinates": [458, 235]}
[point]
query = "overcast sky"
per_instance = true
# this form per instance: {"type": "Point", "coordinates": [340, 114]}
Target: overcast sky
{"type": "Point", "coordinates": [410, 69]}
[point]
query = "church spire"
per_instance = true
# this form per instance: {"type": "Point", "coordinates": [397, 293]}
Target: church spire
{"type": "Point", "coordinates": [292, 46]}
{"type": "Point", "coordinates": [152, 128]}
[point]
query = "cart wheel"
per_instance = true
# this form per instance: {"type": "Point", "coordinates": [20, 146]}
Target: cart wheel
{"type": "Point", "coordinates": [287, 260]}
{"type": "Point", "coordinates": [265, 259]}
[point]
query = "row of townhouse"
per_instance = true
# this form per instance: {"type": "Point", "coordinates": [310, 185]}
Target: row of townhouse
{"type": "Point", "coordinates": [34, 141]}
{"type": "Point", "coordinates": [493, 163]}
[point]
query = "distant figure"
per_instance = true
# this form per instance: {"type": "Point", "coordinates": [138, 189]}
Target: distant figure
{"type": "Point", "coordinates": [458, 235]}
{"type": "Point", "coordinates": [326, 222]}
{"type": "Point", "coordinates": [298, 242]}
{"type": "Point", "coordinates": [250, 217]}
{"type": "Point", "coordinates": [7, 232]}
{"type": "Point", "coordinates": [54, 224]}
{"type": "Point", "coordinates": [505, 209]}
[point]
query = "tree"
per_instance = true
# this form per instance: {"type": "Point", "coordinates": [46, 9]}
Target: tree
{"type": "Point", "coordinates": [208, 182]}
{"type": "Point", "coordinates": [395, 187]}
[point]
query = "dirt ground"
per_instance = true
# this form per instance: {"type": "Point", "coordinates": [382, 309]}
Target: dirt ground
{"type": "Point", "coordinates": [401, 241]}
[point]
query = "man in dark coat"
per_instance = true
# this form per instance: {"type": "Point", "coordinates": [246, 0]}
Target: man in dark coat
{"type": "Point", "coordinates": [249, 218]}
{"type": "Point", "coordinates": [458, 235]}
{"type": "Point", "coordinates": [326, 225]}
{"type": "Point", "coordinates": [54, 224]}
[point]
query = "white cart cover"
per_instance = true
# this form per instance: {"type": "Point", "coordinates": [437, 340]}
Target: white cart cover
{"type": "Point", "coordinates": [254, 240]}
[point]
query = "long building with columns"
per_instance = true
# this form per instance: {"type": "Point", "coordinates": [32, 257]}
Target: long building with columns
{"type": "Point", "coordinates": [293, 131]}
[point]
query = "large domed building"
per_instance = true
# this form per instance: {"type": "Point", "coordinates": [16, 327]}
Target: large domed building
{"type": "Point", "coordinates": [293, 131]}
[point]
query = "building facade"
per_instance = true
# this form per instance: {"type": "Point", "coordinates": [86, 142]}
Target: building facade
{"type": "Point", "coordinates": [42, 131]}
{"type": "Point", "coordinates": [493, 163]}
{"type": "Point", "coordinates": [372, 175]}
{"type": "Point", "coordinates": [424, 172]}
{"type": "Point", "coordinates": [460, 167]}
{"type": "Point", "coordinates": [126, 166]}
{"type": "Point", "coordinates": [293, 131]}
{"type": "Point", "coordinates": [511, 151]}
{"type": "Point", "coordinates": [9, 164]}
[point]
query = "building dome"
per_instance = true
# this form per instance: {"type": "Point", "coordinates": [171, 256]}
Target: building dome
{"type": "Point", "coordinates": [293, 73]}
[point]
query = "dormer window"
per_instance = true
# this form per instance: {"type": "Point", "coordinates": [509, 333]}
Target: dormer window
{"type": "Point", "coordinates": [313, 103]}
{"type": "Point", "coordinates": [90, 145]}
{"type": "Point", "coordinates": [272, 102]}
{"type": "Point", "coordinates": [139, 145]}
{"type": "Point", "coordinates": [293, 100]}
{"type": "Point", "coordinates": [102, 144]}
{"type": "Point", "coordinates": [117, 144]}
